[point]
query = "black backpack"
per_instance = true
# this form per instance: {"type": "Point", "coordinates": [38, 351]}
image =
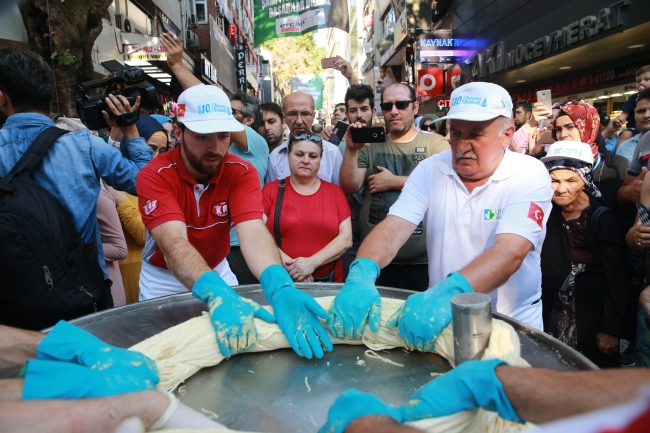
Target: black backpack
{"type": "Point", "coordinates": [47, 272]}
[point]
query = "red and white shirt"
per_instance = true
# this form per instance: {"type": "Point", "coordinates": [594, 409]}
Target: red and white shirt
{"type": "Point", "coordinates": [167, 192]}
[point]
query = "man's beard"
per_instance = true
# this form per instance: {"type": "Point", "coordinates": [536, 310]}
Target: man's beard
{"type": "Point", "coordinates": [197, 162]}
{"type": "Point", "coordinates": [396, 128]}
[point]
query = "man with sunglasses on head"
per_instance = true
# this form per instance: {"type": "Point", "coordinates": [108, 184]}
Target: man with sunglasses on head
{"type": "Point", "coordinates": [299, 116]}
{"type": "Point", "coordinates": [485, 210]}
{"type": "Point", "coordinates": [381, 170]}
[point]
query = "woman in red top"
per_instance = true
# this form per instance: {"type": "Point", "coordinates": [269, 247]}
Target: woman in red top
{"type": "Point", "coordinates": [315, 218]}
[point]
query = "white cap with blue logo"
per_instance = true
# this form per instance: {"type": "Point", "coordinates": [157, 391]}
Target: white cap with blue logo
{"type": "Point", "coordinates": [205, 110]}
{"type": "Point", "coordinates": [478, 101]}
{"type": "Point", "coordinates": [574, 150]}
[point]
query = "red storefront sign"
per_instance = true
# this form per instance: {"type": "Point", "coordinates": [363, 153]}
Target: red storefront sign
{"type": "Point", "coordinates": [431, 82]}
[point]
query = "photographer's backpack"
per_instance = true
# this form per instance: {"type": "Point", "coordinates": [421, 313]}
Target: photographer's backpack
{"type": "Point", "coordinates": [47, 272]}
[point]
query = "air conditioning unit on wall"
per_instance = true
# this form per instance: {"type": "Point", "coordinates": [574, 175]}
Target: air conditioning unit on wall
{"type": "Point", "coordinates": [191, 22]}
{"type": "Point", "coordinates": [191, 39]}
{"type": "Point", "coordinates": [118, 21]}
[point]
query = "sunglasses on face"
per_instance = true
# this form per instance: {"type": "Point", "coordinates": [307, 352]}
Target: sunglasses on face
{"type": "Point", "coordinates": [304, 136]}
{"type": "Point", "coordinates": [388, 106]}
{"type": "Point", "coordinates": [430, 127]}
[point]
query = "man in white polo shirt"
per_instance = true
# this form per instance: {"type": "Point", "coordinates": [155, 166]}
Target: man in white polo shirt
{"type": "Point", "coordinates": [484, 209]}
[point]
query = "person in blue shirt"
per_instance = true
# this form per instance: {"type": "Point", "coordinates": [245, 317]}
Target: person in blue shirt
{"type": "Point", "coordinates": [77, 160]}
{"type": "Point", "coordinates": [250, 146]}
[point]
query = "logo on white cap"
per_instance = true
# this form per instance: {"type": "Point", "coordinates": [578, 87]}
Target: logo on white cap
{"type": "Point", "coordinates": [206, 109]}
{"type": "Point", "coordinates": [478, 102]}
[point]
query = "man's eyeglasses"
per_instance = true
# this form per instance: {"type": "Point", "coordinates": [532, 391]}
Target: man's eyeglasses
{"type": "Point", "coordinates": [304, 136]}
{"type": "Point", "coordinates": [234, 110]}
{"type": "Point", "coordinates": [295, 114]}
{"type": "Point", "coordinates": [401, 105]}
{"type": "Point", "coordinates": [429, 127]}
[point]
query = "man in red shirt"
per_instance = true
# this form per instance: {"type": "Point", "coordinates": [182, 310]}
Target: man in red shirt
{"type": "Point", "coordinates": [188, 198]}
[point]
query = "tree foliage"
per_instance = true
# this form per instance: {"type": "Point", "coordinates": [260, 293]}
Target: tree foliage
{"type": "Point", "coordinates": [294, 56]}
{"type": "Point", "coordinates": [65, 31]}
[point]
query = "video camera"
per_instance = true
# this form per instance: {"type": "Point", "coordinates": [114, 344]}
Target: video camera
{"type": "Point", "coordinates": [90, 109]}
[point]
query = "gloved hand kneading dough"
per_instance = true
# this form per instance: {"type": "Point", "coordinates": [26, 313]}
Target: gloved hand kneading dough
{"type": "Point", "coordinates": [69, 343]}
{"type": "Point", "coordinates": [471, 385]}
{"type": "Point", "coordinates": [357, 303]}
{"type": "Point", "coordinates": [230, 314]}
{"type": "Point", "coordinates": [424, 315]}
{"type": "Point", "coordinates": [54, 380]}
{"type": "Point", "coordinates": [297, 313]}
{"type": "Point", "coordinates": [353, 404]}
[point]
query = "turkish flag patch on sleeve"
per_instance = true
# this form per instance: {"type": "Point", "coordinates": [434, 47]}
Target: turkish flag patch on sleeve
{"type": "Point", "coordinates": [536, 214]}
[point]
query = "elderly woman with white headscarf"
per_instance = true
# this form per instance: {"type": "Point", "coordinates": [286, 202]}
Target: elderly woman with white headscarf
{"type": "Point", "coordinates": [584, 274]}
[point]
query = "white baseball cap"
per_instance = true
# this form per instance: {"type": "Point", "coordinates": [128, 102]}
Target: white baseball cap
{"type": "Point", "coordinates": [206, 109]}
{"type": "Point", "coordinates": [573, 150]}
{"type": "Point", "coordinates": [477, 102]}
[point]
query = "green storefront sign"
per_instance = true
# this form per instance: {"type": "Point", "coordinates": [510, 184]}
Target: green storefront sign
{"type": "Point", "coordinates": [309, 83]}
{"type": "Point", "coordinates": [279, 18]}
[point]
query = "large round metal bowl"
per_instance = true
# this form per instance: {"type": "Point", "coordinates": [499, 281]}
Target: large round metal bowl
{"type": "Point", "coordinates": [281, 392]}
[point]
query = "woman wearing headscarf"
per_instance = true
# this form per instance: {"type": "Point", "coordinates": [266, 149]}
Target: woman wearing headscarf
{"type": "Point", "coordinates": [585, 280]}
{"type": "Point", "coordinates": [428, 124]}
{"type": "Point", "coordinates": [127, 208]}
{"type": "Point", "coordinates": [580, 121]}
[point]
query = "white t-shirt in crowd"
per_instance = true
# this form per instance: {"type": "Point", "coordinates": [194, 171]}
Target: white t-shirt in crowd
{"type": "Point", "coordinates": [461, 226]}
{"type": "Point", "coordinates": [330, 164]}
{"type": "Point", "coordinates": [156, 282]}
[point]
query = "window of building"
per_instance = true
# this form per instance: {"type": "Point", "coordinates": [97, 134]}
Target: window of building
{"type": "Point", "coordinates": [139, 21]}
{"type": "Point", "coordinates": [201, 11]}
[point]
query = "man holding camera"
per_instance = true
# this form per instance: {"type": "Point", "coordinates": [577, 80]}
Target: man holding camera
{"type": "Point", "coordinates": [382, 169]}
{"type": "Point", "coordinates": [76, 161]}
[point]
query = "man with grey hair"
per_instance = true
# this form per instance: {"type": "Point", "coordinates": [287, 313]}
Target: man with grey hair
{"type": "Point", "coordinates": [299, 116]}
{"type": "Point", "coordinates": [484, 209]}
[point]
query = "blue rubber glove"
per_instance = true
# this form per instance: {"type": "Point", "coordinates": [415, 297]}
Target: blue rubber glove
{"type": "Point", "coordinates": [424, 315]}
{"type": "Point", "coordinates": [54, 379]}
{"type": "Point", "coordinates": [471, 385]}
{"type": "Point", "coordinates": [69, 343]}
{"type": "Point", "coordinates": [297, 313]}
{"type": "Point", "coordinates": [358, 302]}
{"type": "Point", "coordinates": [230, 314]}
{"type": "Point", "coordinates": [353, 404]}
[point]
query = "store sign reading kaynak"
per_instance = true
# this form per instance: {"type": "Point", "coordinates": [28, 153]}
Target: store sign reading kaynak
{"type": "Point", "coordinates": [496, 58]}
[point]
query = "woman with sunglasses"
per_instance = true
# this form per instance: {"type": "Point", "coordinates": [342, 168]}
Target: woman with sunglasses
{"type": "Point", "coordinates": [428, 124]}
{"type": "Point", "coordinates": [585, 280]}
{"type": "Point", "coordinates": [309, 218]}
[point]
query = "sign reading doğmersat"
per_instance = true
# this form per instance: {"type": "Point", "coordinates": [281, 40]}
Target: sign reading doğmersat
{"type": "Point", "coordinates": [279, 18]}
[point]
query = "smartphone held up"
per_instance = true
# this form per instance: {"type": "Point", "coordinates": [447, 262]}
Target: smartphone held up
{"type": "Point", "coordinates": [329, 62]}
{"type": "Point", "coordinates": [544, 96]}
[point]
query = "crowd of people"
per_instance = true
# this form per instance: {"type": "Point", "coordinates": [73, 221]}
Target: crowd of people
{"type": "Point", "coordinates": [545, 211]}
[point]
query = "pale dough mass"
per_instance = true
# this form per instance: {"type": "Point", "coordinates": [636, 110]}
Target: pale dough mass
{"type": "Point", "coordinates": [184, 349]}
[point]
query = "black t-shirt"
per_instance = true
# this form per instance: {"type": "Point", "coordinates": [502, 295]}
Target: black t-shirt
{"type": "Point", "coordinates": [629, 107]}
